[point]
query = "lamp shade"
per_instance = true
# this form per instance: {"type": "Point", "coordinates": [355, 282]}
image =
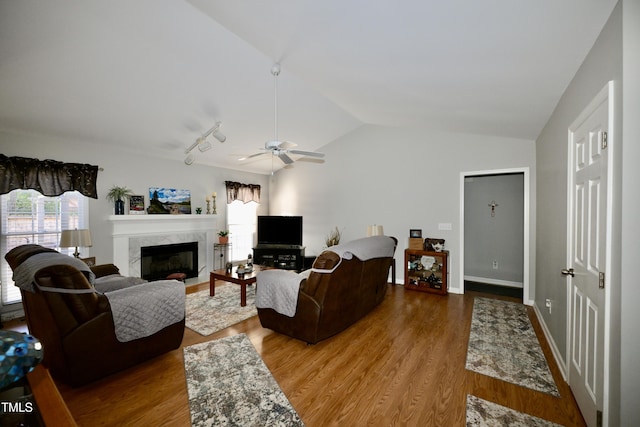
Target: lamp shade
{"type": "Point", "coordinates": [75, 238]}
{"type": "Point", "coordinates": [375, 230]}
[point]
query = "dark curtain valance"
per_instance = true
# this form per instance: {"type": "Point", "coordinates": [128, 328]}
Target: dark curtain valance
{"type": "Point", "coordinates": [243, 192]}
{"type": "Point", "coordinates": [49, 177]}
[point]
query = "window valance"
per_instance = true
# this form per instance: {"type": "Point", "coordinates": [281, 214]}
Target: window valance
{"type": "Point", "coordinates": [49, 177]}
{"type": "Point", "coordinates": [243, 192]}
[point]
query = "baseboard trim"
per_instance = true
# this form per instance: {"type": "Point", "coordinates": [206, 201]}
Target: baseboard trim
{"type": "Point", "coordinates": [490, 281]}
{"type": "Point", "coordinates": [554, 348]}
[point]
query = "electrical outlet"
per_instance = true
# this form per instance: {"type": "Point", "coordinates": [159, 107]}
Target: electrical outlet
{"type": "Point", "coordinates": [495, 265]}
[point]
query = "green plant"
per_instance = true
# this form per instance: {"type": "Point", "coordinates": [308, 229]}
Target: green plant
{"type": "Point", "coordinates": [223, 233]}
{"type": "Point", "coordinates": [118, 193]}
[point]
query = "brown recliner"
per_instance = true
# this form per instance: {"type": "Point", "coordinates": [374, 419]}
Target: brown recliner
{"type": "Point", "coordinates": [328, 303]}
{"type": "Point", "coordinates": [77, 330]}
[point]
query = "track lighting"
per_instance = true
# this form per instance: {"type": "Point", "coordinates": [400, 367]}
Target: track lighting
{"type": "Point", "coordinates": [202, 143]}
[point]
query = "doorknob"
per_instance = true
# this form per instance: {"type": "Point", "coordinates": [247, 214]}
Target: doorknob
{"type": "Point", "coordinates": [567, 272]}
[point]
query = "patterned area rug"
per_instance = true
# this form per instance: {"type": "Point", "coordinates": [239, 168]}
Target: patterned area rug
{"type": "Point", "coordinates": [206, 315]}
{"type": "Point", "coordinates": [484, 413]}
{"type": "Point", "coordinates": [503, 345]}
{"type": "Point", "coordinates": [229, 384]}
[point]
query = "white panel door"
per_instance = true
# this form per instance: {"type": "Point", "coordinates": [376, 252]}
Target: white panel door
{"type": "Point", "coordinates": [587, 228]}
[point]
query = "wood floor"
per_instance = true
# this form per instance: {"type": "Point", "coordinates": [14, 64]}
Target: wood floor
{"type": "Point", "coordinates": [403, 364]}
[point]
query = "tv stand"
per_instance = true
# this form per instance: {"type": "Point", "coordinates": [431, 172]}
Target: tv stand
{"type": "Point", "coordinates": [286, 257]}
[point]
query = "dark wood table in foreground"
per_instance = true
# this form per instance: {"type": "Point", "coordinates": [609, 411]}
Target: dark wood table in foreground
{"type": "Point", "coordinates": [246, 279]}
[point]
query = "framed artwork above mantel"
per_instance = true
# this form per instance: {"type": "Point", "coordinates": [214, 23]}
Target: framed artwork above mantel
{"type": "Point", "coordinates": [169, 201]}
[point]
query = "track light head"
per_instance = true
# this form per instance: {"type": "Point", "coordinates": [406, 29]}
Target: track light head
{"type": "Point", "coordinates": [203, 145]}
{"type": "Point", "coordinates": [219, 135]}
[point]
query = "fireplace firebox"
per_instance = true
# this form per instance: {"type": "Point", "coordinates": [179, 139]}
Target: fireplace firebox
{"type": "Point", "coordinates": [157, 262]}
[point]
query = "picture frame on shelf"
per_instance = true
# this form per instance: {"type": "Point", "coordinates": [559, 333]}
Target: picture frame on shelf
{"type": "Point", "coordinates": [415, 233]}
{"type": "Point", "coordinates": [136, 205]}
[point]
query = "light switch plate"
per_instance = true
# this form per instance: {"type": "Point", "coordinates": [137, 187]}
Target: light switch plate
{"type": "Point", "coordinates": [445, 226]}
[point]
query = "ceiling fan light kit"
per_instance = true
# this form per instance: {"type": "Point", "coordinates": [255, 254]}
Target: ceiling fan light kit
{"type": "Point", "coordinates": [276, 147]}
{"type": "Point", "coordinates": [202, 143]}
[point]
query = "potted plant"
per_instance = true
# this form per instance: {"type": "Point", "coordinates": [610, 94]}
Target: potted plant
{"type": "Point", "coordinates": [223, 237]}
{"type": "Point", "coordinates": [116, 194]}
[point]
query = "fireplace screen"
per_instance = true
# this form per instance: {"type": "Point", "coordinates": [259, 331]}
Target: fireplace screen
{"type": "Point", "coordinates": [158, 262]}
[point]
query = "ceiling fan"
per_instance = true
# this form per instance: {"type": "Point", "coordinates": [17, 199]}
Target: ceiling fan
{"type": "Point", "coordinates": [276, 147]}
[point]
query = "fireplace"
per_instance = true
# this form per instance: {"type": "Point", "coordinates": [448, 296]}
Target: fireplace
{"type": "Point", "coordinates": [157, 262]}
{"type": "Point", "coordinates": [132, 232]}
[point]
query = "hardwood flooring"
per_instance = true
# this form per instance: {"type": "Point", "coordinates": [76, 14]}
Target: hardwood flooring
{"type": "Point", "coordinates": [403, 364]}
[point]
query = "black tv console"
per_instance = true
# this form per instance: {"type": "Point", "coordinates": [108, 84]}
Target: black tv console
{"type": "Point", "coordinates": [286, 257]}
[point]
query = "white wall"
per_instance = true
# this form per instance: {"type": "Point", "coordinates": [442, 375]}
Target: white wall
{"type": "Point", "coordinates": [397, 177]}
{"type": "Point", "coordinates": [135, 170]}
{"type": "Point", "coordinates": [603, 63]}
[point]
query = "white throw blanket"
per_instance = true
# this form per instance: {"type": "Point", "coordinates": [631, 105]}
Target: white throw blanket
{"type": "Point", "coordinates": [114, 282]}
{"type": "Point", "coordinates": [142, 310]}
{"type": "Point", "coordinates": [23, 275]}
{"type": "Point", "coordinates": [278, 289]}
{"type": "Point", "coordinates": [364, 249]}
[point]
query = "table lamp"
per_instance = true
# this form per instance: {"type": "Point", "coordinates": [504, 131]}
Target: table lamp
{"type": "Point", "coordinates": [75, 238]}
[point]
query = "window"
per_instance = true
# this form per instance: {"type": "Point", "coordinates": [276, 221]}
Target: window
{"type": "Point", "coordinates": [241, 221]}
{"type": "Point", "coordinates": [26, 216]}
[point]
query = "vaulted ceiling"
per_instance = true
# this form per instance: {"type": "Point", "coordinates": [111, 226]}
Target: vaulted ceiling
{"type": "Point", "coordinates": [153, 75]}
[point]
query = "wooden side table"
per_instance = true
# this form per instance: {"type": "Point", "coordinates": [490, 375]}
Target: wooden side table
{"type": "Point", "coordinates": [246, 279]}
{"type": "Point", "coordinates": [53, 410]}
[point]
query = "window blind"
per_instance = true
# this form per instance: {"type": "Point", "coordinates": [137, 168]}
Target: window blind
{"type": "Point", "coordinates": [241, 221]}
{"type": "Point", "coordinates": [26, 216]}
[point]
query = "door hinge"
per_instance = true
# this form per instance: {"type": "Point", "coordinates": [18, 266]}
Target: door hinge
{"type": "Point", "coordinates": [601, 280]}
{"type": "Point", "coordinates": [604, 142]}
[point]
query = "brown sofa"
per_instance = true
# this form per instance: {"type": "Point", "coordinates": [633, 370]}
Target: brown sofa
{"type": "Point", "coordinates": [77, 329]}
{"type": "Point", "coordinates": [344, 284]}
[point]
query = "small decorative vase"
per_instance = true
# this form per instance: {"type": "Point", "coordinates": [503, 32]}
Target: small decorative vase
{"type": "Point", "coordinates": [223, 240]}
{"type": "Point", "coordinates": [119, 207]}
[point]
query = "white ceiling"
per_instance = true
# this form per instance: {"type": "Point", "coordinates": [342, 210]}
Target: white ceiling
{"type": "Point", "coordinates": [155, 74]}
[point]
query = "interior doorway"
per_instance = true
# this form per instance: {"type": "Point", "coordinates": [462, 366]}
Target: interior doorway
{"type": "Point", "coordinates": [495, 231]}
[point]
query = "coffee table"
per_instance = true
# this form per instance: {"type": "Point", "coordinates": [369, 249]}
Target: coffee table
{"type": "Point", "coordinates": [246, 279]}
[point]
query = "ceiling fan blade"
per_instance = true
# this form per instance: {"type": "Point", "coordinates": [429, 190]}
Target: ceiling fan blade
{"type": "Point", "coordinates": [306, 153]}
{"type": "Point", "coordinates": [253, 155]}
{"type": "Point", "coordinates": [286, 145]}
{"type": "Point", "coordinates": [286, 159]}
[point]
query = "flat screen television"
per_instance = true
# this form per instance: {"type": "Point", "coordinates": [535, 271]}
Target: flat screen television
{"type": "Point", "coordinates": [280, 230]}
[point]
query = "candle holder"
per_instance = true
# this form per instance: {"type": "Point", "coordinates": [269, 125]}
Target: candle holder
{"type": "Point", "coordinates": [208, 208]}
{"type": "Point", "coordinates": [214, 205]}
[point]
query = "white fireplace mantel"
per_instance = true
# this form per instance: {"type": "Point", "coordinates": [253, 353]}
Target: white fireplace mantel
{"type": "Point", "coordinates": [129, 231]}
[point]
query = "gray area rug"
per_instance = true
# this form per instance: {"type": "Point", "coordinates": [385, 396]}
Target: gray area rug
{"type": "Point", "coordinates": [503, 345]}
{"type": "Point", "coordinates": [484, 413]}
{"type": "Point", "coordinates": [229, 384]}
{"type": "Point", "coordinates": [206, 315]}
